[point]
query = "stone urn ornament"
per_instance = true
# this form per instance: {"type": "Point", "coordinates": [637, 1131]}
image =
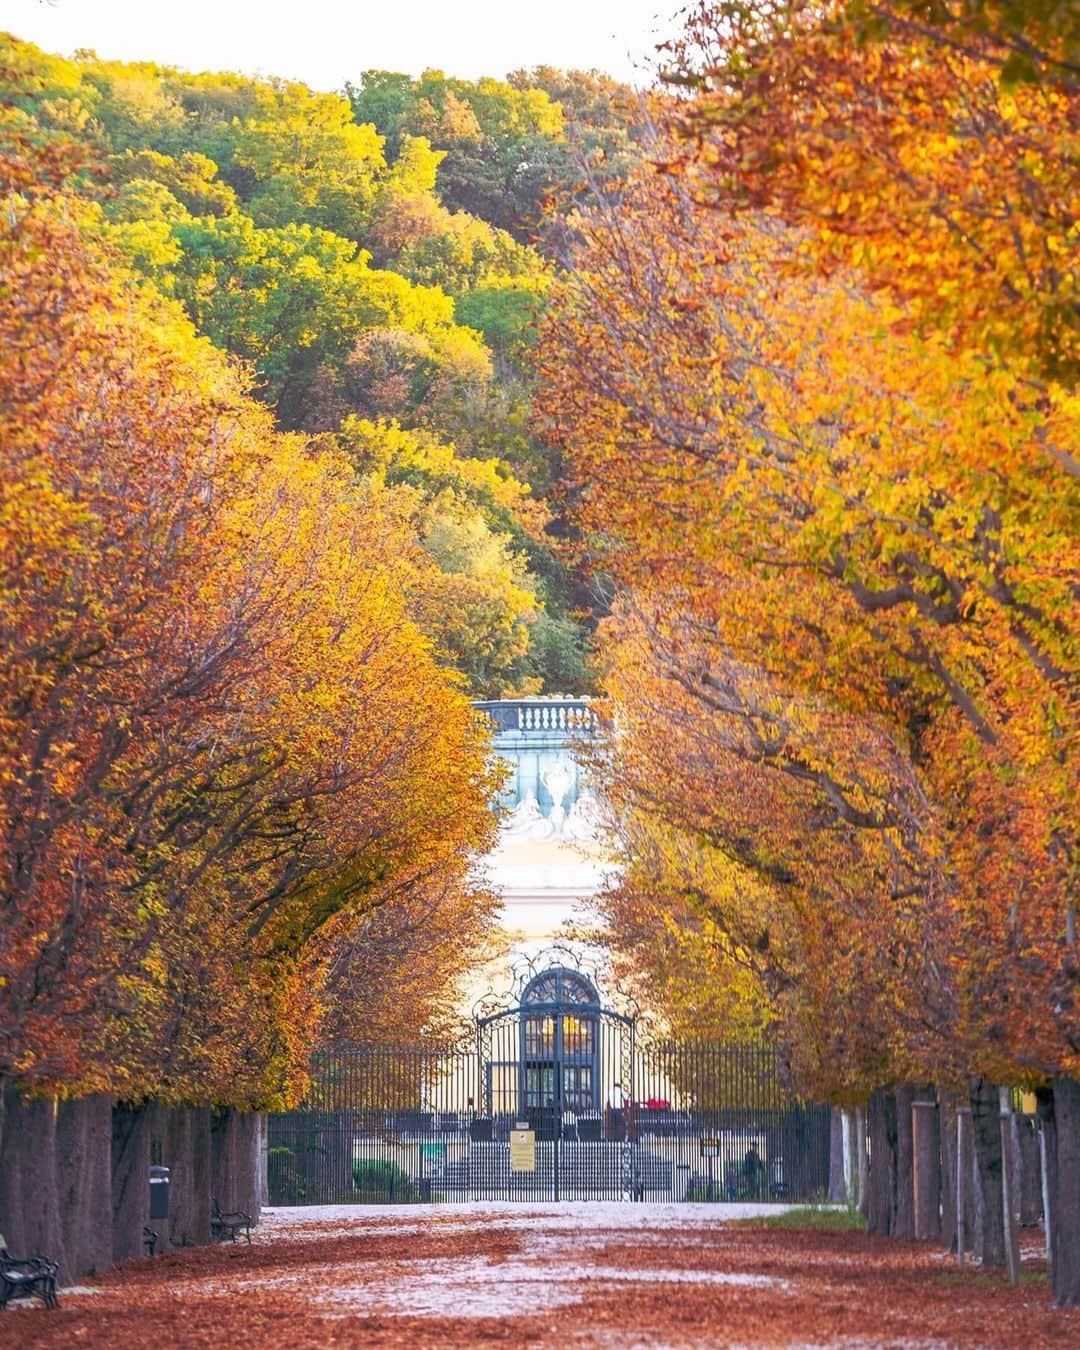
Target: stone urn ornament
{"type": "Point", "coordinates": [558, 780]}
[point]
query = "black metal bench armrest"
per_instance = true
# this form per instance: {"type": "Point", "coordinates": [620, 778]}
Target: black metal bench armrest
{"type": "Point", "coordinates": [228, 1223]}
{"type": "Point", "coordinates": [27, 1277]}
{"type": "Point", "coordinates": [40, 1265]}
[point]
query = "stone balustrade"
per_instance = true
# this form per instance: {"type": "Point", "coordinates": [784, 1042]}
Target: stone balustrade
{"type": "Point", "coordinates": [556, 714]}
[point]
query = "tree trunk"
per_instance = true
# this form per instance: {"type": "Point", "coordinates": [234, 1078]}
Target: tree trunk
{"type": "Point", "coordinates": [1044, 1111]}
{"type": "Point", "coordinates": [246, 1183]}
{"type": "Point", "coordinates": [850, 1160]}
{"type": "Point", "coordinates": [927, 1150]}
{"type": "Point", "coordinates": [965, 1190]}
{"type": "Point", "coordinates": [986, 1131]}
{"type": "Point", "coordinates": [1064, 1176]}
{"type": "Point", "coordinates": [947, 1134]}
{"type": "Point", "coordinates": [223, 1154]}
{"type": "Point", "coordinates": [11, 1191]}
{"type": "Point", "coordinates": [903, 1215]}
{"type": "Point", "coordinates": [189, 1152]}
{"type": "Point", "coordinates": [201, 1173]}
{"type": "Point", "coordinates": [836, 1192]}
{"type": "Point", "coordinates": [84, 1174]}
{"type": "Point", "coordinates": [178, 1154]}
{"type": "Point", "coordinates": [882, 1123]}
{"type": "Point", "coordinates": [1009, 1176]}
{"type": "Point", "coordinates": [235, 1159]}
{"type": "Point", "coordinates": [965, 1211]}
{"type": "Point", "coordinates": [158, 1118]}
{"type": "Point", "coordinates": [264, 1163]}
{"type": "Point", "coordinates": [29, 1189]}
{"type": "Point", "coordinates": [969, 1182]}
{"type": "Point", "coordinates": [1030, 1173]}
{"type": "Point", "coordinates": [130, 1179]}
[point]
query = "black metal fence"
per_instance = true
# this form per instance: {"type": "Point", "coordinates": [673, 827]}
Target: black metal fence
{"type": "Point", "coordinates": [519, 1117]}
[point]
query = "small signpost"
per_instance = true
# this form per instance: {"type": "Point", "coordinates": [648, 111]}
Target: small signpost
{"type": "Point", "coordinates": [522, 1149]}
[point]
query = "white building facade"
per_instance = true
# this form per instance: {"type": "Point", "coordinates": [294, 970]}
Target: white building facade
{"type": "Point", "coordinates": [552, 857]}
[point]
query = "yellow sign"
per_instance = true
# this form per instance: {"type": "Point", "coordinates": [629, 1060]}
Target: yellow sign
{"type": "Point", "coordinates": [522, 1151]}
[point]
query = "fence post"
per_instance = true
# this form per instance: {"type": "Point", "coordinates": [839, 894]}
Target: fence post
{"type": "Point", "coordinates": [1044, 1176]}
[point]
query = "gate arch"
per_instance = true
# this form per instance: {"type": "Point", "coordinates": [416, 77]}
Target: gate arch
{"type": "Point", "coordinates": [560, 1063]}
{"type": "Point", "coordinates": [556, 1058]}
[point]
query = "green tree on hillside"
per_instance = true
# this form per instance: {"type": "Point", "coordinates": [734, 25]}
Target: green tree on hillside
{"type": "Point", "coordinates": [328, 243]}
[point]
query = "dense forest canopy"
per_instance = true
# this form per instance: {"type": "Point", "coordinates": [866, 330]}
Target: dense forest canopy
{"type": "Point", "coordinates": [374, 258]}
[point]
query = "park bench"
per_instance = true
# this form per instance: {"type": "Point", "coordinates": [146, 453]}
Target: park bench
{"type": "Point", "coordinates": [226, 1224]}
{"type": "Point", "coordinates": [27, 1277]}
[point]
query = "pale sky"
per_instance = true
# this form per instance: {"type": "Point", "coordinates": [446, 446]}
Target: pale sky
{"type": "Point", "coordinates": [324, 43]}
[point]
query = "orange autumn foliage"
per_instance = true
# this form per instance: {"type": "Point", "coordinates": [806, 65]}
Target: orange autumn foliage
{"type": "Point", "coordinates": [906, 150]}
{"type": "Point", "coordinates": [845, 660]}
{"type": "Point", "coordinates": [223, 739]}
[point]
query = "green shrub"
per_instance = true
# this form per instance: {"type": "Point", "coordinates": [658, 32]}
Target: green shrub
{"type": "Point", "coordinates": [381, 1182]}
{"type": "Point", "coordinates": [285, 1180]}
{"type": "Point", "coordinates": [828, 1218]}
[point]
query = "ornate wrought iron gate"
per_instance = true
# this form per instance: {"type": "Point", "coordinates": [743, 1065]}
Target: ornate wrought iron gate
{"type": "Point", "coordinates": [558, 1067]}
{"type": "Point", "coordinates": [554, 1098]}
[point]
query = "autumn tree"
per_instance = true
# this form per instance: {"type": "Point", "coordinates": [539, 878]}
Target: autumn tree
{"type": "Point", "coordinates": [847, 520]}
{"type": "Point", "coordinates": [224, 739]}
{"type": "Point", "coordinates": [502, 145]}
{"type": "Point", "coordinates": [911, 155]}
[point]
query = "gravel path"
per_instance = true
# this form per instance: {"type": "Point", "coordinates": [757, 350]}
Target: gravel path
{"type": "Point", "coordinates": [592, 1275]}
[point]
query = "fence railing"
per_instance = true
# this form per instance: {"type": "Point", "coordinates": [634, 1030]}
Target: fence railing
{"type": "Point", "coordinates": [703, 1121]}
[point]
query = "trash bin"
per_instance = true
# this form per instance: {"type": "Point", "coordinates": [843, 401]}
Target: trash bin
{"type": "Point", "coordinates": [159, 1191]}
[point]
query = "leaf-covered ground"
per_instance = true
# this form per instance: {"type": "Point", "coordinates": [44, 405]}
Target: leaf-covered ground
{"type": "Point", "coordinates": [550, 1276]}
